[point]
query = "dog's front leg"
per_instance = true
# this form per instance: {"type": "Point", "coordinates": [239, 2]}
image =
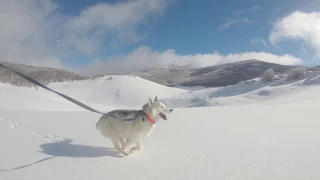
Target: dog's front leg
{"type": "Point", "coordinates": [122, 141]}
{"type": "Point", "coordinates": [138, 146]}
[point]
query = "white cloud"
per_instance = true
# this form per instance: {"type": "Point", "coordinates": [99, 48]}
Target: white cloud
{"type": "Point", "coordinates": [144, 58]}
{"type": "Point", "coordinates": [119, 19]}
{"type": "Point", "coordinates": [24, 32]}
{"type": "Point", "coordinates": [259, 41]}
{"type": "Point", "coordinates": [250, 9]}
{"type": "Point", "coordinates": [36, 32]}
{"type": "Point", "coordinates": [298, 26]}
{"type": "Point", "coordinates": [237, 19]}
{"type": "Point", "coordinates": [234, 21]}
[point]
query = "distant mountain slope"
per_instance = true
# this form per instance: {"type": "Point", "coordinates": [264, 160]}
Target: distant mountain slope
{"type": "Point", "coordinates": [42, 74]}
{"type": "Point", "coordinates": [251, 92]}
{"type": "Point", "coordinates": [167, 76]}
{"type": "Point", "coordinates": [212, 76]}
{"type": "Point", "coordinates": [172, 75]}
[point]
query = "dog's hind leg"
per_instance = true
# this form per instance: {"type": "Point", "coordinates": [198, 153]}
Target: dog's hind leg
{"type": "Point", "coordinates": [117, 146]}
{"type": "Point", "coordinates": [127, 145]}
{"type": "Point", "coordinates": [122, 141]}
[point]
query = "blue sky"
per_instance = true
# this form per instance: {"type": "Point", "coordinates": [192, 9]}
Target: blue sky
{"type": "Point", "coordinates": [96, 36]}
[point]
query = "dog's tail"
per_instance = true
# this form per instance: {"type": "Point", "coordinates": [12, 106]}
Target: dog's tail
{"type": "Point", "coordinates": [97, 125]}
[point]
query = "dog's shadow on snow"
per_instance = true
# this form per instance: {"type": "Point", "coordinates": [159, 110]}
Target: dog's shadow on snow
{"type": "Point", "coordinates": [65, 148]}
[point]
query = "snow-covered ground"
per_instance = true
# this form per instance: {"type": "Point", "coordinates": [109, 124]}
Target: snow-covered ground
{"type": "Point", "coordinates": [252, 92]}
{"type": "Point", "coordinates": [100, 93]}
{"type": "Point", "coordinates": [244, 132]}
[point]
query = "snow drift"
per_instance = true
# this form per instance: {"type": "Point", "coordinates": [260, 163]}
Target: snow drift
{"type": "Point", "coordinates": [101, 93]}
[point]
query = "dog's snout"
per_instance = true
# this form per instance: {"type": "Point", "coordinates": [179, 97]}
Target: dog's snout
{"type": "Point", "coordinates": [171, 110]}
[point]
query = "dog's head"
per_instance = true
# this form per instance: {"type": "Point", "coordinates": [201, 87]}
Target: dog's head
{"type": "Point", "coordinates": [158, 108]}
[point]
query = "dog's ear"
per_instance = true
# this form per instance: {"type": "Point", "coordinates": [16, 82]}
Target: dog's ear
{"type": "Point", "coordinates": [156, 98]}
{"type": "Point", "coordinates": [150, 101]}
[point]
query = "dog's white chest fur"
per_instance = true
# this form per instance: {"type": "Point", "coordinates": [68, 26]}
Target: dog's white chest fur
{"type": "Point", "coordinates": [143, 130]}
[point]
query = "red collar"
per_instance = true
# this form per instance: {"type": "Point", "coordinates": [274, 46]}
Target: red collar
{"type": "Point", "coordinates": [149, 118]}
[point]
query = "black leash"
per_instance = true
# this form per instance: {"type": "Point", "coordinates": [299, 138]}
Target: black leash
{"type": "Point", "coordinates": [47, 88]}
{"type": "Point", "coordinates": [64, 96]}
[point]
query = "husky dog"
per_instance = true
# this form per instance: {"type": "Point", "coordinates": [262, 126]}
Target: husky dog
{"type": "Point", "coordinates": [123, 134]}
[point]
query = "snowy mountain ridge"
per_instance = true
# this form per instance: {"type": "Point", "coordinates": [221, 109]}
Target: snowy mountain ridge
{"type": "Point", "coordinates": [171, 75]}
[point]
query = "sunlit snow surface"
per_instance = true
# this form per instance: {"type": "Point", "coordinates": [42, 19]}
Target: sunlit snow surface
{"type": "Point", "coordinates": [246, 131]}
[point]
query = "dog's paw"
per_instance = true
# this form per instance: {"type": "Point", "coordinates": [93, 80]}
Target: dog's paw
{"type": "Point", "coordinates": [132, 150]}
{"type": "Point", "coordinates": [125, 153]}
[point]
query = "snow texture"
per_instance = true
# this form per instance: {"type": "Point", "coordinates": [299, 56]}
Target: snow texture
{"type": "Point", "coordinates": [250, 131]}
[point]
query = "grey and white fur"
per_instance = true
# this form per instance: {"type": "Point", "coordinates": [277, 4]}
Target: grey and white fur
{"type": "Point", "coordinates": [124, 134]}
